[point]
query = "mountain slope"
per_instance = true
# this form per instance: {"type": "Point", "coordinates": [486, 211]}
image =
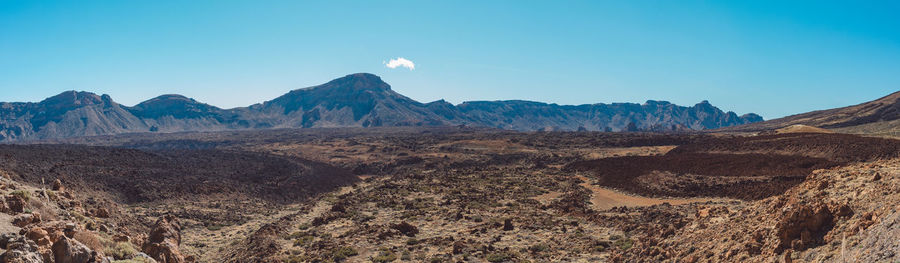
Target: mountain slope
{"type": "Point", "coordinates": [356, 100]}
{"type": "Point", "coordinates": [872, 115]}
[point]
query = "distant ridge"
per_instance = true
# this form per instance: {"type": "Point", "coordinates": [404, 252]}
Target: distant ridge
{"type": "Point", "coordinates": [877, 116]}
{"type": "Point", "coordinates": [355, 100]}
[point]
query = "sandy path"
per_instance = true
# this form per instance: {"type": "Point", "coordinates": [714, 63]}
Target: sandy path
{"type": "Point", "coordinates": [603, 198]}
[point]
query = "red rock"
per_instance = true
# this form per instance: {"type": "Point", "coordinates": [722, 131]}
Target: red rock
{"type": "Point", "coordinates": [23, 220]}
{"type": "Point", "coordinates": [36, 234]}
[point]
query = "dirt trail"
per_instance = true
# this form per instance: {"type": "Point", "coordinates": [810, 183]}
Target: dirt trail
{"type": "Point", "coordinates": [603, 198]}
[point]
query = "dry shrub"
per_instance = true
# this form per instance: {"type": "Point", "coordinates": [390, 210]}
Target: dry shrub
{"type": "Point", "coordinates": [121, 251]}
{"type": "Point", "coordinates": [47, 213]}
{"type": "Point", "coordinates": [24, 194]}
{"type": "Point", "coordinates": [89, 239]}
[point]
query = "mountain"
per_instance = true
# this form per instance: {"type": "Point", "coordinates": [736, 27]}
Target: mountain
{"type": "Point", "coordinates": [650, 116]}
{"type": "Point", "coordinates": [68, 114]}
{"type": "Point", "coordinates": [877, 116]}
{"type": "Point", "coordinates": [356, 100]}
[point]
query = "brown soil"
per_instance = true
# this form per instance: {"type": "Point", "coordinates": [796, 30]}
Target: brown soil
{"type": "Point", "coordinates": [754, 176]}
{"type": "Point", "coordinates": [799, 128]}
{"type": "Point", "coordinates": [605, 199]}
{"type": "Point", "coordinates": [836, 147]}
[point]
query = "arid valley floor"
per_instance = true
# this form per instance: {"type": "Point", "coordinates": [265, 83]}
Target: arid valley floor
{"type": "Point", "coordinates": [454, 195]}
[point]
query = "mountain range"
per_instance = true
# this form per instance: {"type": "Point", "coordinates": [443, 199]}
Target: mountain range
{"type": "Point", "coordinates": [356, 100]}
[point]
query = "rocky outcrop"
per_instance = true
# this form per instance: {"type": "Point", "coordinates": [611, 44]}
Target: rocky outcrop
{"type": "Point", "coordinates": [803, 226]}
{"type": "Point", "coordinates": [165, 237]}
{"type": "Point", "coordinates": [19, 250]}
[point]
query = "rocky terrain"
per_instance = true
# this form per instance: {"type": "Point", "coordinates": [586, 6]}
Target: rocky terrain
{"type": "Point", "coordinates": [356, 100]}
{"type": "Point", "coordinates": [451, 194]}
{"type": "Point", "coordinates": [846, 214]}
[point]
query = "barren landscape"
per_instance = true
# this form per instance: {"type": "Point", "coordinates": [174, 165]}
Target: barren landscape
{"type": "Point", "coordinates": [505, 131]}
{"type": "Point", "coordinates": [450, 194]}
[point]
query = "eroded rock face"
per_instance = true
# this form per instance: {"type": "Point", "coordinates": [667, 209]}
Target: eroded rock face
{"type": "Point", "coordinates": [21, 250]}
{"type": "Point", "coordinates": [804, 226]}
{"type": "Point", "coordinates": [164, 239]}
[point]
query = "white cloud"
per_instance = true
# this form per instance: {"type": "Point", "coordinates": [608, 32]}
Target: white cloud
{"type": "Point", "coordinates": [401, 62]}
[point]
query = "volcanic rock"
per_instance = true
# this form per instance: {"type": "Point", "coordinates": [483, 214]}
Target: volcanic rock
{"type": "Point", "coordinates": [164, 239]}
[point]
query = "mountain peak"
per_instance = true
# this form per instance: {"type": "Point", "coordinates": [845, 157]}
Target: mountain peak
{"type": "Point", "coordinates": [173, 97]}
{"type": "Point", "coordinates": [72, 99]}
{"type": "Point", "coordinates": [359, 81]}
{"type": "Point", "coordinates": [169, 98]}
{"type": "Point", "coordinates": [175, 105]}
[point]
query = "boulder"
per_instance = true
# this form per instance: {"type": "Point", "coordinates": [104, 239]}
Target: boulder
{"type": "Point", "coordinates": [166, 228]}
{"type": "Point", "coordinates": [164, 252]}
{"type": "Point", "coordinates": [102, 212]}
{"type": "Point", "coordinates": [55, 235]}
{"type": "Point", "coordinates": [162, 245]}
{"type": "Point", "coordinates": [39, 236]}
{"type": "Point", "coordinates": [406, 228]}
{"type": "Point", "coordinates": [58, 186]}
{"type": "Point", "coordinates": [23, 220]}
{"type": "Point", "coordinates": [16, 203]}
{"type": "Point", "coordinates": [68, 250]}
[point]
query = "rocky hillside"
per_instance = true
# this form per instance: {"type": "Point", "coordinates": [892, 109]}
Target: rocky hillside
{"type": "Point", "coordinates": [875, 116]}
{"type": "Point", "coordinates": [845, 214]}
{"type": "Point", "coordinates": [357, 100]}
{"type": "Point", "coordinates": [58, 225]}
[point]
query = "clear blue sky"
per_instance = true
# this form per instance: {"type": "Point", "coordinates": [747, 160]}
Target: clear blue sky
{"type": "Point", "coordinates": [774, 58]}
